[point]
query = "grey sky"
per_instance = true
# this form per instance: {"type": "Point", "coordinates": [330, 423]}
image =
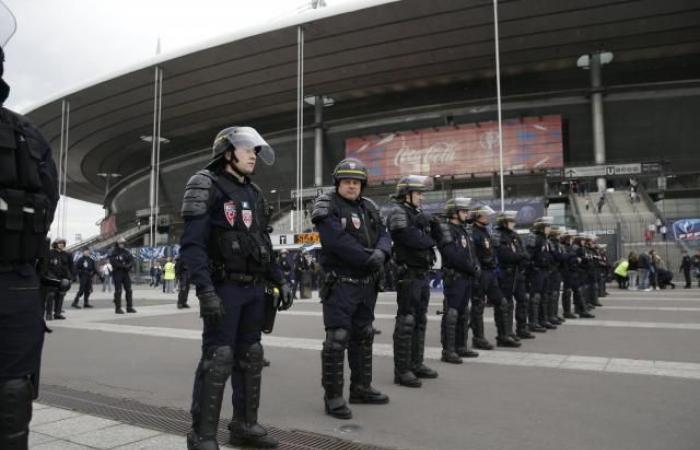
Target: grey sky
{"type": "Point", "coordinates": [61, 44]}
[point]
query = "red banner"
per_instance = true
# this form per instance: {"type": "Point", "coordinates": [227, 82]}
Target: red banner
{"type": "Point", "coordinates": [528, 144]}
{"type": "Point", "coordinates": [108, 227]}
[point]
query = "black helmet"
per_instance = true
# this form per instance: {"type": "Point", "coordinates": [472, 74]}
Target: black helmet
{"type": "Point", "coordinates": [456, 204]}
{"type": "Point", "coordinates": [350, 168]}
{"type": "Point", "coordinates": [242, 137]}
{"type": "Point", "coordinates": [413, 183]}
{"type": "Point", "coordinates": [57, 241]}
{"type": "Point", "coordinates": [506, 216]}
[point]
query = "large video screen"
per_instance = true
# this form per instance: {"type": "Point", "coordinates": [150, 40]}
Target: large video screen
{"type": "Point", "coordinates": [528, 143]}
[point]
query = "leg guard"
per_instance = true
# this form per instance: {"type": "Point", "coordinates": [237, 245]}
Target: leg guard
{"type": "Point", "coordinates": [543, 312]}
{"type": "Point", "coordinates": [533, 316]}
{"type": "Point", "coordinates": [332, 362]}
{"type": "Point", "coordinates": [449, 332]}
{"type": "Point", "coordinates": [418, 350]}
{"type": "Point", "coordinates": [501, 313]}
{"type": "Point", "coordinates": [210, 380]}
{"type": "Point", "coordinates": [15, 413]}
{"type": "Point", "coordinates": [130, 301]}
{"type": "Point", "coordinates": [360, 359]}
{"type": "Point", "coordinates": [580, 304]}
{"type": "Point", "coordinates": [566, 304]}
{"type": "Point", "coordinates": [462, 336]}
{"type": "Point", "coordinates": [403, 334]}
{"type": "Point", "coordinates": [58, 306]}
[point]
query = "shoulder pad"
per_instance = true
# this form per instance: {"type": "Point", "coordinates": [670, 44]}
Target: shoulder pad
{"type": "Point", "coordinates": [531, 240]}
{"type": "Point", "coordinates": [370, 204]}
{"type": "Point", "coordinates": [445, 234]}
{"type": "Point", "coordinates": [196, 200]}
{"type": "Point", "coordinates": [397, 218]}
{"type": "Point", "coordinates": [322, 208]}
{"type": "Point", "coordinates": [496, 237]}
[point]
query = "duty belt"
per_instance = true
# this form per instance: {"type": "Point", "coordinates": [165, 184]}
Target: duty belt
{"type": "Point", "coordinates": [352, 280]}
{"type": "Point", "coordinates": [240, 277]}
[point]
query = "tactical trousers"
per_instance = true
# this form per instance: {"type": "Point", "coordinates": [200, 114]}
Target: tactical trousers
{"type": "Point", "coordinates": [489, 289]}
{"type": "Point", "coordinates": [412, 296]}
{"type": "Point", "coordinates": [512, 283]}
{"type": "Point", "coordinates": [457, 292]}
{"type": "Point", "coordinates": [122, 281]}
{"type": "Point", "coordinates": [85, 288]}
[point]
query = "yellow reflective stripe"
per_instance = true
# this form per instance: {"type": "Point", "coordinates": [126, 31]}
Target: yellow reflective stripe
{"type": "Point", "coordinates": [357, 172]}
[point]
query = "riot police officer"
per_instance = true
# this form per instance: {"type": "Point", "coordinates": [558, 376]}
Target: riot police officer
{"type": "Point", "coordinates": [487, 286]}
{"type": "Point", "coordinates": [182, 274]}
{"type": "Point", "coordinates": [59, 266]}
{"type": "Point", "coordinates": [554, 279]}
{"type": "Point", "coordinates": [460, 268]}
{"type": "Point", "coordinates": [355, 245]}
{"type": "Point", "coordinates": [580, 279]}
{"type": "Point", "coordinates": [86, 269]}
{"type": "Point", "coordinates": [122, 262]}
{"type": "Point", "coordinates": [226, 246]}
{"type": "Point", "coordinates": [513, 261]}
{"type": "Point", "coordinates": [28, 197]}
{"type": "Point", "coordinates": [413, 252]}
{"type": "Point", "coordinates": [538, 247]}
{"type": "Point", "coordinates": [571, 278]}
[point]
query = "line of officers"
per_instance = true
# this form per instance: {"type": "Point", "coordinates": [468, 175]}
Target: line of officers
{"type": "Point", "coordinates": [521, 279]}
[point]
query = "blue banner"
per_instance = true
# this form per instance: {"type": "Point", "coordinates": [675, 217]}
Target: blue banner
{"type": "Point", "coordinates": [687, 233]}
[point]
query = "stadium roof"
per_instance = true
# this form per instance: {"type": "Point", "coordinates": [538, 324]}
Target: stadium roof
{"type": "Point", "coordinates": [351, 55]}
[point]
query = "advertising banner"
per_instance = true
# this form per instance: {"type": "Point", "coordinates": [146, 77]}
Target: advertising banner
{"type": "Point", "coordinates": [528, 144]}
{"type": "Point", "coordinates": [687, 233]}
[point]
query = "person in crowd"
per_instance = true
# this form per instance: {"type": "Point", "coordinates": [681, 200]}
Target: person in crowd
{"type": "Point", "coordinates": [169, 276]}
{"type": "Point", "coordinates": [632, 271]}
{"type": "Point", "coordinates": [644, 270]}
{"type": "Point", "coordinates": [106, 271]}
{"type": "Point", "coordinates": [686, 266]}
{"type": "Point", "coordinates": [622, 273]}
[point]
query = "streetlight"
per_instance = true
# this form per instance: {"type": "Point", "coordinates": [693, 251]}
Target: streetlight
{"type": "Point", "coordinates": [275, 191]}
{"type": "Point", "coordinates": [107, 176]}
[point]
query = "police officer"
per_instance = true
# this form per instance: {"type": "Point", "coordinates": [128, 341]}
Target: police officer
{"type": "Point", "coordinates": [487, 286]}
{"type": "Point", "coordinates": [538, 247]}
{"type": "Point", "coordinates": [555, 277]}
{"type": "Point", "coordinates": [592, 263]}
{"type": "Point", "coordinates": [460, 268]}
{"type": "Point", "coordinates": [569, 269]}
{"type": "Point", "coordinates": [182, 274]}
{"type": "Point", "coordinates": [60, 266]}
{"type": "Point", "coordinates": [355, 245]}
{"type": "Point", "coordinates": [686, 265]}
{"type": "Point", "coordinates": [28, 197]}
{"type": "Point", "coordinates": [226, 246]}
{"type": "Point", "coordinates": [413, 252]}
{"type": "Point", "coordinates": [512, 260]}
{"type": "Point", "coordinates": [122, 261]}
{"type": "Point", "coordinates": [581, 266]}
{"type": "Point", "coordinates": [86, 268]}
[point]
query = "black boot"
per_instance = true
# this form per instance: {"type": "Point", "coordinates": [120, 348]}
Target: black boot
{"type": "Point", "coordinates": [449, 337]}
{"type": "Point", "coordinates": [48, 306]}
{"type": "Point", "coordinates": [477, 325]}
{"type": "Point", "coordinates": [403, 333]}
{"type": "Point", "coordinates": [212, 373]}
{"type": "Point", "coordinates": [580, 305]}
{"type": "Point", "coordinates": [130, 302]}
{"type": "Point", "coordinates": [505, 329]}
{"type": "Point", "coordinates": [543, 312]}
{"type": "Point", "coordinates": [462, 337]}
{"type": "Point", "coordinates": [15, 413]}
{"type": "Point", "coordinates": [245, 429]}
{"type": "Point", "coordinates": [86, 301]}
{"type": "Point", "coordinates": [554, 308]}
{"type": "Point", "coordinates": [332, 362]}
{"type": "Point", "coordinates": [360, 359]}
{"type": "Point", "coordinates": [533, 315]}
{"type": "Point", "coordinates": [58, 307]}
{"type": "Point", "coordinates": [118, 302]}
{"type": "Point", "coordinates": [418, 351]}
{"type": "Point", "coordinates": [566, 305]}
{"type": "Point", "coordinates": [75, 303]}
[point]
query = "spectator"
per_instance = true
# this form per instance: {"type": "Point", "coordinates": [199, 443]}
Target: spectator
{"type": "Point", "coordinates": [663, 230]}
{"type": "Point", "coordinates": [649, 234]}
{"type": "Point", "coordinates": [621, 274]}
{"type": "Point", "coordinates": [106, 271]}
{"type": "Point", "coordinates": [686, 266]}
{"type": "Point", "coordinates": [588, 204]}
{"type": "Point", "coordinates": [658, 224]}
{"type": "Point", "coordinates": [169, 276]}
{"type": "Point", "coordinates": [601, 202]}
{"type": "Point", "coordinates": [696, 265]}
{"type": "Point", "coordinates": [643, 271]}
{"type": "Point", "coordinates": [632, 271]}
{"type": "Point", "coordinates": [654, 269]}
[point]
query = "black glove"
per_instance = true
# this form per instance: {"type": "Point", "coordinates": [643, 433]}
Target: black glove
{"type": "Point", "coordinates": [286, 297]}
{"type": "Point", "coordinates": [64, 285]}
{"type": "Point", "coordinates": [376, 259]}
{"type": "Point", "coordinates": [211, 308]}
{"type": "Point", "coordinates": [422, 219]}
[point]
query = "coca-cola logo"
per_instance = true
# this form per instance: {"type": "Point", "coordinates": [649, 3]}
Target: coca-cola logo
{"type": "Point", "coordinates": [440, 153]}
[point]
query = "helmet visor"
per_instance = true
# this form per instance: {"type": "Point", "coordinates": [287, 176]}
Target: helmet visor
{"type": "Point", "coordinates": [247, 137]}
{"type": "Point", "coordinates": [8, 24]}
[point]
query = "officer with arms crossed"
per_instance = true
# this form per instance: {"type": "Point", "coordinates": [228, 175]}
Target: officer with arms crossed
{"type": "Point", "coordinates": [86, 268]}
{"type": "Point", "coordinates": [226, 246]}
{"type": "Point", "coordinates": [414, 256]}
{"type": "Point", "coordinates": [355, 245]}
{"type": "Point", "coordinates": [59, 266]}
{"type": "Point", "coordinates": [540, 252]}
{"type": "Point", "coordinates": [122, 261]}
{"type": "Point", "coordinates": [28, 197]}
{"type": "Point", "coordinates": [460, 267]}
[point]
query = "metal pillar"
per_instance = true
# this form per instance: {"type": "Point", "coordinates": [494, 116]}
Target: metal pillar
{"type": "Point", "coordinates": [63, 167]}
{"type": "Point", "coordinates": [155, 155]}
{"type": "Point", "coordinates": [498, 100]}
{"type": "Point", "coordinates": [300, 127]}
{"type": "Point", "coordinates": [597, 114]}
{"type": "Point", "coordinates": [318, 141]}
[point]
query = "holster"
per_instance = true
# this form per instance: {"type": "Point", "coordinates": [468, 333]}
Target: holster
{"type": "Point", "coordinates": [271, 302]}
{"type": "Point", "coordinates": [329, 281]}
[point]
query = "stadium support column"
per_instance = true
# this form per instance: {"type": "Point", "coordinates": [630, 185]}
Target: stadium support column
{"type": "Point", "coordinates": [318, 141]}
{"type": "Point", "coordinates": [597, 114]}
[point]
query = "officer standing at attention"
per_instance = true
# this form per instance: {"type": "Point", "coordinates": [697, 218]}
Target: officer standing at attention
{"type": "Point", "coordinates": [226, 246]}
{"type": "Point", "coordinates": [122, 261]}
{"type": "Point", "coordinates": [87, 269]}
{"type": "Point", "coordinates": [414, 257]}
{"type": "Point", "coordinates": [512, 261]}
{"type": "Point", "coordinates": [28, 197]}
{"type": "Point", "coordinates": [460, 268]}
{"type": "Point", "coordinates": [355, 245]}
{"type": "Point", "coordinates": [540, 252]}
{"type": "Point", "coordinates": [487, 286]}
{"type": "Point", "coordinates": [60, 266]}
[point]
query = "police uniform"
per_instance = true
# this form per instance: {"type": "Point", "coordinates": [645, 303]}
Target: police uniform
{"type": "Point", "coordinates": [86, 268]}
{"type": "Point", "coordinates": [59, 266]}
{"type": "Point", "coordinates": [354, 245]}
{"type": "Point", "coordinates": [227, 249]}
{"type": "Point", "coordinates": [579, 277]}
{"type": "Point", "coordinates": [182, 274]}
{"type": "Point", "coordinates": [513, 260]}
{"type": "Point", "coordinates": [122, 262]}
{"type": "Point", "coordinates": [488, 287]}
{"type": "Point", "coordinates": [414, 256]}
{"type": "Point", "coordinates": [460, 267]}
{"type": "Point", "coordinates": [539, 248]}
{"type": "Point", "coordinates": [555, 277]}
{"type": "Point", "coordinates": [28, 197]}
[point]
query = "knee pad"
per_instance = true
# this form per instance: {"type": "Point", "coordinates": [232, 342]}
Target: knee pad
{"type": "Point", "coordinates": [365, 333]}
{"type": "Point", "coordinates": [251, 357]}
{"type": "Point", "coordinates": [336, 339]}
{"type": "Point", "coordinates": [218, 361]}
{"type": "Point", "coordinates": [452, 314]}
{"type": "Point", "coordinates": [406, 321]}
{"type": "Point", "coordinates": [421, 321]}
{"type": "Point", "coordinates": [15, 407]}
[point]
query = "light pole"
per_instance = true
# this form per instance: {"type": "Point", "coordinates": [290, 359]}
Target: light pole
{"type": "Point", "coordinates": [275, 191]}
{"type": "Point", "coordinates": [107, 176]}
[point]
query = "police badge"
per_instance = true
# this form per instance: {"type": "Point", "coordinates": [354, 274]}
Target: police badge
{"type": "Point", "coordinates": [356, 221]}
{"type": "Point", "coordinates": [230, 211]}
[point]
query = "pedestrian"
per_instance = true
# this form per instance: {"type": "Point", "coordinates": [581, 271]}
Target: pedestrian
{"type": "Point", "coordinates": [106, 276]}
{"type": "Point", "coordinates": [86, 269]}
{"type": "Point", "coordinates": [588, 203]}
{"type": "Point", "coordinates": [355, 245]}
{"type": "Point", "coordinates": [601, 202]}
{"type": "Point", "coordinates": [632, 271]}
{"type": "Point", "coordinates": [169, 276]}
{"type": "Point", "coordinates": [644, 269]}
{"type": "Point", "coordinates": [122, 262]}
{"type": "Point", "coordinates": [663, 230]}
{"type": "Point", "coordinates": [686, 266]}
{"type": "Point", "coordinates": [60, 266]}
{"type": "Point", "coordinates": [22, 327]}
{"type": "Point", "coordinates": [227, 249]}
{"type": "Point", "coordinates": [413, 251]}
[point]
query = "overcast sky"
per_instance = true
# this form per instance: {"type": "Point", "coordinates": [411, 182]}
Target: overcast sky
{"type": "Point", "coordinates": [61, 44]}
